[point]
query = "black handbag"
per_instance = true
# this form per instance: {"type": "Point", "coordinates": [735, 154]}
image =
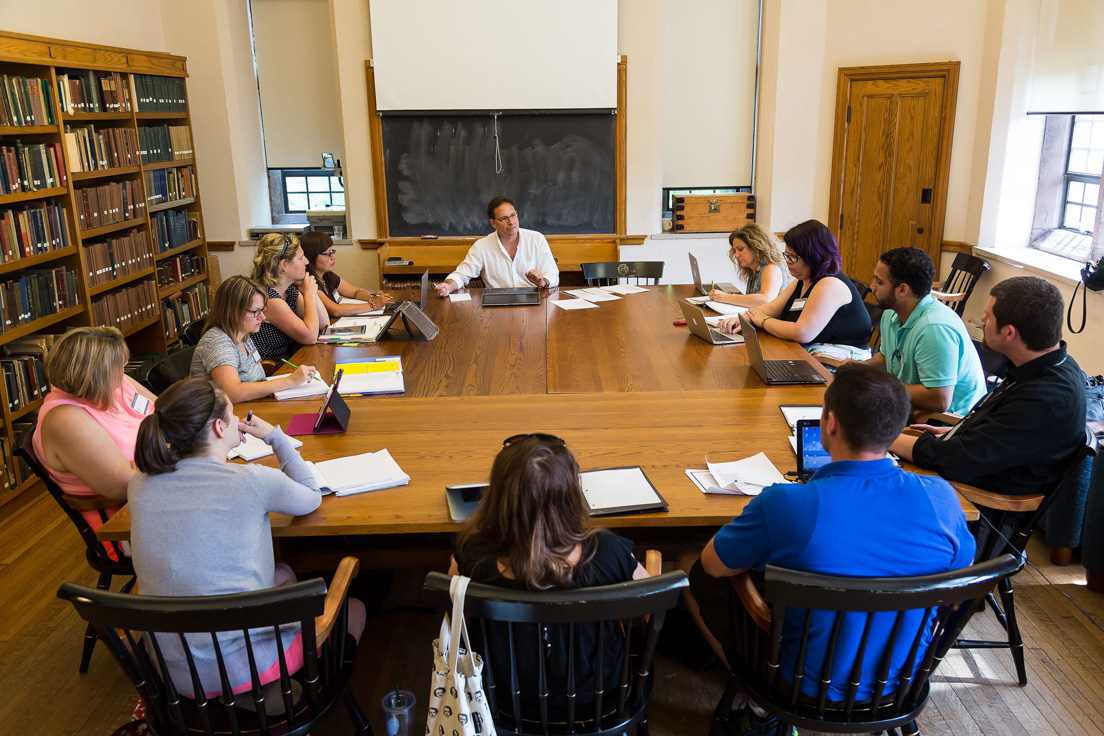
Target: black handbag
{"type": "Point", "coordinates": [1092, 277]}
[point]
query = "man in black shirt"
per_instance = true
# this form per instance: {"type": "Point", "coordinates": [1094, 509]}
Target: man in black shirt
{"type": "Point", "coordinates": [1016, 439]}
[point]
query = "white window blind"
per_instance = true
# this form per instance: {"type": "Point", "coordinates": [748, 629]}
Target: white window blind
{"type": "Point", "coordinates": [1068, 75]}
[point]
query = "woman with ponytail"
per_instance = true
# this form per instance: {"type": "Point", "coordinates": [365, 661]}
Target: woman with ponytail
{"type": "Point", "coordinates": [200, 525]}
{"type": "Point", "coordinates": [531, 532]}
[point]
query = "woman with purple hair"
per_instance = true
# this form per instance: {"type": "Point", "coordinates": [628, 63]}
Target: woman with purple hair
{"type": "Point", "coordinates": [820, 305]}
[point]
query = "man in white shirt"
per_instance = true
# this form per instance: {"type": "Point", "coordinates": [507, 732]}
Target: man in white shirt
{"type": "Point", "coordinates": [508, 257]}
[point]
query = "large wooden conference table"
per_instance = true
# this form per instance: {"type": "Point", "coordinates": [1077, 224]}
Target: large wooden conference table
{"type": "Point", "coordinates": [620, 384]}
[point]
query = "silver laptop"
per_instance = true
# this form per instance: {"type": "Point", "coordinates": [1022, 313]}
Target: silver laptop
{"type": "Point", "coordinates": [695, 320]}
{"type": "Point", "coordinates": [776, 372]}
{"type": "Point", "coordinates": [513, 297]}
{"type": "Point", "coordinates": [726, 288]}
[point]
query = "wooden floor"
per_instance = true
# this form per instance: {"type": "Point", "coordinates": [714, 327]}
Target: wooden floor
{"type": "Point", "coordinates": [973, 692]}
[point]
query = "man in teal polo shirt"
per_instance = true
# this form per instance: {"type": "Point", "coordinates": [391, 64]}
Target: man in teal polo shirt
{"type": "Point", "coordinates": [924, 343]}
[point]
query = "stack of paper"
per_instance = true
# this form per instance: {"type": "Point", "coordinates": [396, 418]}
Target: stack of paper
{"type": "Point", "coordinates": [313, 387]}
{"type": "Point", "coordinates": [698, 299]}
{"type": "Point", "coordinates": [623, 289]}
{"type": "Point", "coordinates": [594, 294]}
{"type": "Point", "coordinates": [574, 304]}
{"type": "Point", "coordinates": [355, 329]}
{"type": "Point", "coordinates": [371, 471]}
{"type": "Point", "coordinates": [254, 448]}
{"type": "Point", "coordinates": [747, 477]}
{"type": "Point", "coordinates": [728, 310]}
{"type": "Point", "coordinates": [379, 375]}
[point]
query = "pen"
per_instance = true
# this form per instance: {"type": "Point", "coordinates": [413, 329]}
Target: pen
{"type": "Point", "coordinates": [712, 285]}
{"type": "Point", "coordinates": [297, 368]}
{"type": "Point", "coordinates": [249, 417]}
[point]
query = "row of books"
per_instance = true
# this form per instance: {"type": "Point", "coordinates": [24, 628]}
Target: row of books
{"type": "Point", "coordinates": [110, 203]}
{"type": "Point", "coordinates": [174, 228]}
{"type": "Point", "coordinates": [170, 185]}
{"type": "Point", "coordinates": [85, 90]}
{"type": "Point", "coordinates": [37, 293]}
{"type": "Point", "coordinates": [126, 307]}
{"type": "Point", "coordinates": [20, 429]}
{"type": "Point", "coordinates": [106, 148]}
{"type": "Point", "coordinates": [176, 269]}
{"type": "Point", "coordinates": [117, 257]}
{"type": "Point", "coordinates": [28, 167]}
{"type": "Point", "coordinates": [160, 94]}
{"type": "Point", "coordinates": [160, 143]}
{"type": "Point", "coordinates": [32, 228]}
{"type": "Point", "coordinates": [26, 101]}
{"type": "Point", "coordinates": [183, 307]}
{"type": "Point", "coordinates": [138, 367]}
{"type": "Point", "coordinates": [24, 380]}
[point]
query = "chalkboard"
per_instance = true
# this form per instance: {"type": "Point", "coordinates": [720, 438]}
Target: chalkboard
{"type": "Point", "coordinates": [558, 168]}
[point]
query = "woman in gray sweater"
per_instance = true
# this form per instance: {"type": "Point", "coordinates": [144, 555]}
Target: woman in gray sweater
{"type": "Point", "coordinates": [200, 525]}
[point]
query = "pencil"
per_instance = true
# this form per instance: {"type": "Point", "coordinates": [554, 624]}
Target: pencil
{"type": "Point", "coordinates": [297, 368]}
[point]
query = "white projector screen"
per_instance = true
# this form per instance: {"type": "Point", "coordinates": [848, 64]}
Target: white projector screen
{"type": "Point", "coordinates": [494, 54]}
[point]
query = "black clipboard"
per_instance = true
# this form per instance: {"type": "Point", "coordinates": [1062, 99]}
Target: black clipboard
{"type": "Point", "coordinates": [333, 418]}
{"type": "Point", "coordinates": [657, 504]}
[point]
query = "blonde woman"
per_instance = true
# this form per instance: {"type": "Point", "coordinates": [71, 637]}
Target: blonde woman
{"type": "Point", "coordinates": [293, 313]}
{"type": "Point", "coordinates": [758, 258]}
{"type": "Point", "coordinates": [226, 353]}
{"type": "Point", "coordinates": [88, 423]}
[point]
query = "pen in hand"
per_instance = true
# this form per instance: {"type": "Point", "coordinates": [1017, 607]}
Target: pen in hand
{"type": "Point", "coordinates": [315, 376]}
{"type": "Point", "coordinates": [249, 418]}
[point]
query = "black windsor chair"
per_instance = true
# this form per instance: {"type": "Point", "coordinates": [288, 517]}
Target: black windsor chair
{"type": "Point", "coordinates": [948, 600]}
{"type": "Point", "coordinates": [607, 273]}
{"type": "Point", "coordinates": [136, 627]}
{"type": "Point", "coordinates": [571, 697]}
{"type": "Point", "coordinates": [191, 334]}
{"type": "Point", "coordinates": [959, 284]}
{"type": "Point", "coordinates": [169, 370]}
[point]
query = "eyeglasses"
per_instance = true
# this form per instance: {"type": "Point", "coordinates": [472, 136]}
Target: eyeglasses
{"type": "Point", "coordinates": [329, 253]}
{"type": "Point", "coordinates": [791, 257]}
{"type": "Point", "coordinates": [506, 218]}
{"type": "Point", "coordinates": [257, 313]}
{"type": "Point", "coordinates": [538, 435]}
{"type": "Point", "coordinates": [287, 242]}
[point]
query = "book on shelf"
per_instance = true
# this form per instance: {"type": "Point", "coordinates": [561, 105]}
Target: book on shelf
{"type": "Point", "coordinates": [126, 306]}
{"type": "Point", "coordinates": [27, 101]}
{"type": "Point", "coordinates": [171, 184]}
{"type": "Point", "coordinates": [174, 228]}
{"type": "Point", "coordinates": [7, 472]}
{"type": "Point", "coordinates": [96, 149]}
{"type": "Point", "coordinates": [33, 228]}
{"type": "Point", "coordinates": [118, 256]}
{"type": "Point", "coordinates": [108, 204]}
{"type": "Point", "coordinates": [87, 90]}
{"type": "Point", "coordinates": [37, 293]}
{"type": "Point", "coordinates": [139, 365]}
{"type": "Point", "coordinates": [30, 167]}
{"type": "Point", "coordinates": [24, 380]}
{"type": "Point", "coordinates": [182, 308]}
{"type": "Point", "coordinates": [20, 429]}
{"type": "Point", "coordinates": [159, 94]}
{"type": "Point", "coordinates": [178, 268]}
{"type": "Point", "coordinates": [161, 143]}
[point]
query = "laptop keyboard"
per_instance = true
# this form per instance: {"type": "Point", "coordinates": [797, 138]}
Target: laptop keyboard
{"type": "Point", "coordinates": [513, 290]}
{"type": "Point", "coordinates": [781, 370]}
{"type": "Point", "coordinates": [721, 337]}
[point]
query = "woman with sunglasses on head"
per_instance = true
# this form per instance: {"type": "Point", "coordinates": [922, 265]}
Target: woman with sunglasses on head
{"type": "Point", "coordinates": [293, 313]}
{"type": "Point", "coordinates": [226, 352]}
{"type": "Point", "coordinates": [759, 259]}
{"type": "Point", "coordinates": [200, 525]}
{"type": "Point", "coordinates": [531, 532]}
{"type": "Point", "coordinates": [321, 258]}
{"type": "Point", "coordinates": [821, 305]}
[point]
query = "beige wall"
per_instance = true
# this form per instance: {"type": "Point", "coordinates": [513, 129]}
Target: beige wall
{"type": "Point", "coordinates": [89, 22]}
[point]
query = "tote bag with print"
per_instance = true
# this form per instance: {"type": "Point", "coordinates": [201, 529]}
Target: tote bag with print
{"type": "Point", "coordinates": [457, 703]}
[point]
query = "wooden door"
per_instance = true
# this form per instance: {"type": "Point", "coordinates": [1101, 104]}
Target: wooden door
{"type": "Point", "coordinates": [890, 163]}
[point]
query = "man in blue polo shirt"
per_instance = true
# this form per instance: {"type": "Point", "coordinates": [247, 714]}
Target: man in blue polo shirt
{"type": "Point", "coordinates": [924, 343]}
{"type": "Point", "coordinates": [859, 515]}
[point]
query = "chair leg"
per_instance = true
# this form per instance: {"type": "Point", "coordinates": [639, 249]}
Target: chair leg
{"type": "Point", "coordinates": [89, 645]}
{"type": "Point", "coordinates": [360, 721]}
{"type": "Point", "coordinates": [1015, 642]}
{"type": "Point", "coordinates": [910, 729]}
{"type": "Point", "coordinates": [1061, 556]}
{"type": "Point", "coordinates": [724, 705]}
{"type": "Point", "coordinates": [642, 727]}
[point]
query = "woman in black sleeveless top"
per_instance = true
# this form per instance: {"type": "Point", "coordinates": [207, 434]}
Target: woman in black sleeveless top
{"type": "Point", "coordinates": [820, 305]}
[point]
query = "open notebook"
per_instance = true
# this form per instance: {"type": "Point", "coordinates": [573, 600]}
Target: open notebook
{"type": "Point", "coordinates": [371, 471]}
{"type": "Point", "coordinates": [313, 387]}
{"type": "Point", "coordinates": [254, 448]}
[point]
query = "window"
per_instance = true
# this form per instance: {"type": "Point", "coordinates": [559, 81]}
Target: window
{"type": "Point", "coordinates": [1069, 185]}
{"type": "Point", "coordinates": [1083, 167]}
{"type": "Point", "coordinates": [310, 189]}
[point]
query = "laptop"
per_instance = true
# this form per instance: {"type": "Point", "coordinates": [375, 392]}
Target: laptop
{"type": "Point", "coordinates": [695, 320]}
{"type": "Point", "coordinates": [811, 455]}
{"type": "Point", "coordinates": [726, 288]}
{"type": "Point", "coordinates": [776, 372]}
{"type": "Point", "coordinates": [514, 297]}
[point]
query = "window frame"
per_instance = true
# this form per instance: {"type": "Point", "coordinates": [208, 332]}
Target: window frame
{"type": "Point", "coordinates": [319, 173]}
{"type": "Point", "coordinates": [1068, 177]}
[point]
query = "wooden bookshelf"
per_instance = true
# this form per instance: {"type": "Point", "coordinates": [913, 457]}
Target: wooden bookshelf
{"type": "Point", "coordinates": [47, 59]}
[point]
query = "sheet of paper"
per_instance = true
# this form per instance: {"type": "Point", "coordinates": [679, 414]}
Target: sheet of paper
{"type": "Point", "coordinates": [623, 289]}
{"type": "Point", "coordinates": [574, 304]}
{"type": "Point", "coordinates": [751, 475]}
{"type": "Point", "coordinates": [698, 299]}
{"type": "Point", "coordinates": [254, 447]}
{"type": "Point", "coordinates": [459, 297]}
{"type": "Point", "coordinates": [370, 471]}
{"type": "Point", "coordinates": [313, 387]}
{"type": "Point", "coordinates": [610, 489]}
{"type": "Point", "coordinates": [596, 295]}
{"type": "Point", "coordinates": [729, 310]}
{"type": "Point", "coordinates": [793, 412]}
{"type": "Point", "coordinates": [793, 442]}
{"type": "Point", "coordinates": [706, 483]}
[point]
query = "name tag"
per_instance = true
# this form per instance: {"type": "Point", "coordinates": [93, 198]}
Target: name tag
{"type": "Point", "coordinates": [798, 305]}
{"type": "Point", "coordinates": [140, 404]}
{"type": "Point", "coordinates": [256, 356]}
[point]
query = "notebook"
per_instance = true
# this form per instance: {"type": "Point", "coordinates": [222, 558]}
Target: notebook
{"type": "Point", "coordinates": [254, 447]}
{"type": "Point", "coordinates": [313, 387]}
{"type": "Point", "coordinates": [513, 297]}
{"type": "Point", "coordinates": [356, 329]}
{"type": "Point", "coordinates": [371, 471]}
{"type": "Point", "coordinates": [368, 376]}
{"type": "Point", "coordinates": [619, 491]}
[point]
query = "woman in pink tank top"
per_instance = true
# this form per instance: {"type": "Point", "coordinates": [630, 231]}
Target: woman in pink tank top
{"type": "Point", "coordinates": [89, 420]}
